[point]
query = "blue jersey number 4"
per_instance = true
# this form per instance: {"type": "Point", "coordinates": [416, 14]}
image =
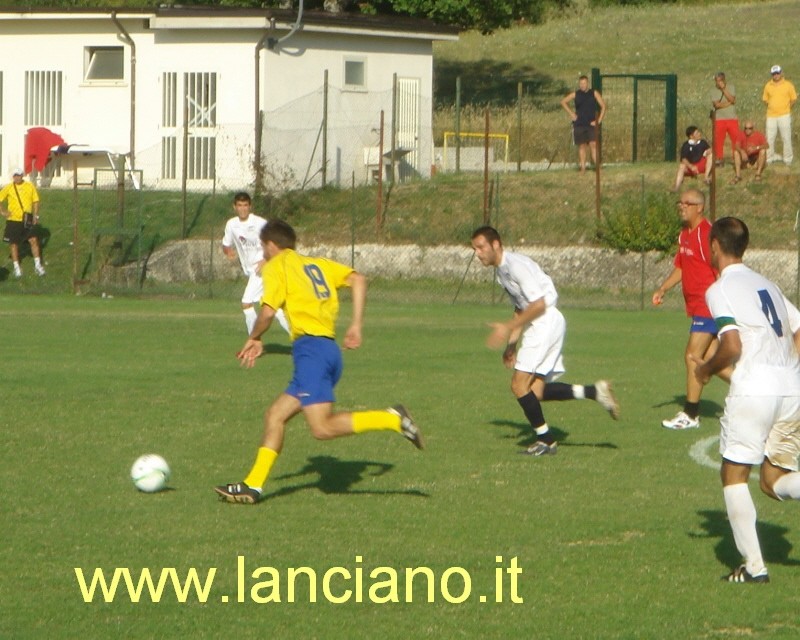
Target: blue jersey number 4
{"type": "Point", "coordinates": [768, 307]}
{"type": "Point", "coordinates": [321, 289]}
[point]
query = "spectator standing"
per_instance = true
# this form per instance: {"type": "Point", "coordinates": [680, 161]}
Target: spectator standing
{"type": "Point", "coordinates": [779, 96]}
{"type": "Point", "coordinates": [22, 219]}
{"type": "Point", "coordinates": [723, 101]}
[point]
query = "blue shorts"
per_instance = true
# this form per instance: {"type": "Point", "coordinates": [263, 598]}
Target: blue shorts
{"type": "Point", "coordinates": [317, 369]}
{"type": "Point", "coordinates": [701, 324]}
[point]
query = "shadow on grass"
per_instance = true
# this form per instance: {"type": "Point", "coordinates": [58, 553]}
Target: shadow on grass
{"type": "Point", "coordinates": [526, 437]}
{"type": "Point", "coordinates": [278, 349]}
{"type": "Point", "coordinates": [334, 476]}
{"type": "Point", "coordinates": [774, 545]}
{"type": "Point", "coordinates": [708, 408]}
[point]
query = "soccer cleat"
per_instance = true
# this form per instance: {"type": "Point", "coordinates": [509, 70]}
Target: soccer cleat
{"type": "Point", "coordinates": [238, 492]}
{"type": "Point", "coordinates": [17, 272]}
{"type": "Point", "coordinates": [540, 448]}
{"type": "Point", "coordinates": [409, 429]}
{"type": "Point", "coordinates": [605, 396]}
{"type": "Point", "coordinates": [681, 421]}
{"type": "Point", "coordinates": [741, 574]}
{"type": "Point", "coordinates": [39, 270]}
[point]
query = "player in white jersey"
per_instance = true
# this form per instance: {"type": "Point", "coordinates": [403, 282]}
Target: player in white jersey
{"type": "Point", "coordinates": [533, 339]}
{"type": "Point", "coordinates": [758, 333]}
{"type": "Point", "coordinates": [241, 240]}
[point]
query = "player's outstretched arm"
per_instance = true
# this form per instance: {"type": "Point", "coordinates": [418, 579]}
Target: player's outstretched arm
{"type": "Point", "coordinates": [253, 348]}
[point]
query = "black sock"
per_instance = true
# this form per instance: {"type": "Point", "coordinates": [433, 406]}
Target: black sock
{"type": "Point", "coordinates": [558, 391]}
{"type": "Point", "coordinates": [691, 409]}
{"type": "Point", "coordinates": [533, 412]}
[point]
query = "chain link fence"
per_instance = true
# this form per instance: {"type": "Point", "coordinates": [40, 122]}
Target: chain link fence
{"type": "Point", "coordinates": [351, 173]}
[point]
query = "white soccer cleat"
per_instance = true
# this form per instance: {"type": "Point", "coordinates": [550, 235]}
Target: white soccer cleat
{"type": "Point", "coordinates": [39, 270]}
{"type": "Point", "coordinates": [605, 396]}
{"type": "Point", "coordinates": [681, 421]}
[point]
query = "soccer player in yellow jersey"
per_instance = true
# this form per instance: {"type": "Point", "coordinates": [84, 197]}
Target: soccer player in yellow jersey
{"type": "Point", "coordinates": [306, 289]}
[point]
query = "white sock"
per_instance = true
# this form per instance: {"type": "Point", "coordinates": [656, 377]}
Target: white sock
{"type": "Point", "coordinates": [37, 262]}
{"type": "Point", "coordinates": [16, 266]}
{"type": "Point", "coordinates": [250, 317]}
{"type": "Point", "coordinates": [579, 391]}
{"type": "Point", "coordinates": [742, 516]}
{"type": "Point", "coordinates": [280, 316]}
{"type": "Point", "coordinates": [788, 486]}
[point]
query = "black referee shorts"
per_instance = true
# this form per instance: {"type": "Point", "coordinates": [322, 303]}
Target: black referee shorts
{"type": "Point", "coordinates": [16, 233]}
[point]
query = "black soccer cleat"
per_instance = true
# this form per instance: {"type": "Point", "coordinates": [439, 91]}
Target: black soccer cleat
{"type": "Point", "coordinates": [409, 429]}
{"type": "Point", "coordinates": [740, 574]}
{"type": "Point", "coordinates": [540, 448]}
{"type": "Point", "coordinates": [238, 492]}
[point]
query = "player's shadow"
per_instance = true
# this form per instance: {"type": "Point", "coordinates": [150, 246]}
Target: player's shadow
{"type": "Point", "coordinates": [525, 437]}
{"type": "Point", "coordinates": [278, 349]}
{"type": "Point", "coordinates": [708, 408]}
{"type": "Point", "coordinates": [331, 475]}
{"type": "Point", "coordinates": [774, 545]}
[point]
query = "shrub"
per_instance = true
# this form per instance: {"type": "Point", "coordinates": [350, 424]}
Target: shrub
{"type": "Point", "coordinates": [636, 223]}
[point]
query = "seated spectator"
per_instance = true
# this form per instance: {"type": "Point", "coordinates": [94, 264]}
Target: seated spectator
{"type": "Point", "coordinates": [696, 158]}
{"type": "Point", "coordinates": [750, 150]}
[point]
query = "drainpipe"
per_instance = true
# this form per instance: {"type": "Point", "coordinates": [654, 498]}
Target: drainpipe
{"type": "Point", "coordinates": [271, 43]}
{"type": "Point", "coordinates": [257, 116]}
{"type": "Point", "coordinates": [127, 38]}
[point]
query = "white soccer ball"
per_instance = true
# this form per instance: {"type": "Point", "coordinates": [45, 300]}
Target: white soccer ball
{"type": "Point", "coordinates": [150, 473]}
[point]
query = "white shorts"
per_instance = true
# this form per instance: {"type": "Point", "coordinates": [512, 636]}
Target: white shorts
{"type": "Point", "coordinates": [747, 426]}
{"type": "Point", "coordinates": [540, 350]}
{"type": "Point", "coordinates": [254, 290]}
{"type": "Point", "coordinates": [783, 445]}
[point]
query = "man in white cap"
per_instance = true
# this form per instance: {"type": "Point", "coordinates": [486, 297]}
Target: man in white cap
{"type": "Point", "coordinates": [22, 217]}
{"type": "Point", "coordinates": [779, 96]}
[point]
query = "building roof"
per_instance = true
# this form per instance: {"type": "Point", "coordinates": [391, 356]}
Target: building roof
{"type": "Point", "coordinates": [204, 17]}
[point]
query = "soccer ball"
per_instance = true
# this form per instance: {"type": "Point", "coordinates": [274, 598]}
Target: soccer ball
{"type": "Point", "coordinates": [150, 473]}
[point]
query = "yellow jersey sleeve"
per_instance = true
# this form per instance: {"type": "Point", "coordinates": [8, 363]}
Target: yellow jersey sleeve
{"type": "Point", "coordinates": [306, 289]}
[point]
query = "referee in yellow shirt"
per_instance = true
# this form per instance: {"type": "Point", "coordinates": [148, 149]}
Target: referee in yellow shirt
{"type": "Point", "coordinates": [306, 289]}
{"type": "Point", "coordinates": [21, 197]}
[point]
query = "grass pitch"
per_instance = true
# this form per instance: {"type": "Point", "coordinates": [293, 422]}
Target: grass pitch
{"type": "Point", "coordinates": [621, 535]}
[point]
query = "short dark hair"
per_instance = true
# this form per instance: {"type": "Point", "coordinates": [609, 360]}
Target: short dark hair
{"type": "Point", "coordinates": [584, 77]}
{"type": "Point", "coordinates": [242, 196]}
{"type": "Point", "coordinates": [490, 233]}
{"type": "Point", "coordinates": [690, 130]}
{"type": "Point", "coordinates": [732, 235]}
{"type": "Point", "coordinates": [279, 233]}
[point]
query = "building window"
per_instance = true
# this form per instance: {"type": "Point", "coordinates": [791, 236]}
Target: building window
{"type": "Point", "coordinates": [103, 64]}
{"type": "Point", "coordinates": [201, 94]}
{"type": "Point", "coordinates": [169, 99]}
{"type": "Point", "coordinates": [355, 74]}
{"type": "Point", "coordinates": [43, 98]}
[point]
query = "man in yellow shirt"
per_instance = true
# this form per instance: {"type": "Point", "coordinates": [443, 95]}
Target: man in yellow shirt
{"type": "Point", "coordinates": [21, 197]}
{"type": "Point", "coordinates": [779, 96]}
{"type": "Point", "coordinates": [306, 289]}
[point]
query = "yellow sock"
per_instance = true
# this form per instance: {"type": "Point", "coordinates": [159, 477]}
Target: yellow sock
{"type": "Point", "coordinates": [375, 421]}
{"type": "Point", "coordinates": [260, 471]}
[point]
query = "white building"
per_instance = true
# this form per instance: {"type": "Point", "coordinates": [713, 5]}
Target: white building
{"type": "Point", "coordinates": [191, 93]}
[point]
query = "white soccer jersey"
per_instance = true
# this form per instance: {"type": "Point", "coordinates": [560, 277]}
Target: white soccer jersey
{"type": "Point", "coordinates": [243, 235]}
{"type": "Point", "coordinates": [525, 281]}
{"type": "Point", "coordinates": [746, 301]}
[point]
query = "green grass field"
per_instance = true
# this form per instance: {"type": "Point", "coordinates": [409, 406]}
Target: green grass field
{"type": "Point", "coordinates": [622, 535]}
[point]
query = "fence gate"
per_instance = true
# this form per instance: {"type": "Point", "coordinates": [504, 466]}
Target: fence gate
{"type": "Point", "coordinates": [641, 117]}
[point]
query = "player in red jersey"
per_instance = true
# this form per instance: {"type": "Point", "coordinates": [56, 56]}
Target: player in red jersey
{"type": "Point", "coordinates": [692, 269]}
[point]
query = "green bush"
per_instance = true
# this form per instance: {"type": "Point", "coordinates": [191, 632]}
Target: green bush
{"type": "Point", "coordinates": [636, 223]}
